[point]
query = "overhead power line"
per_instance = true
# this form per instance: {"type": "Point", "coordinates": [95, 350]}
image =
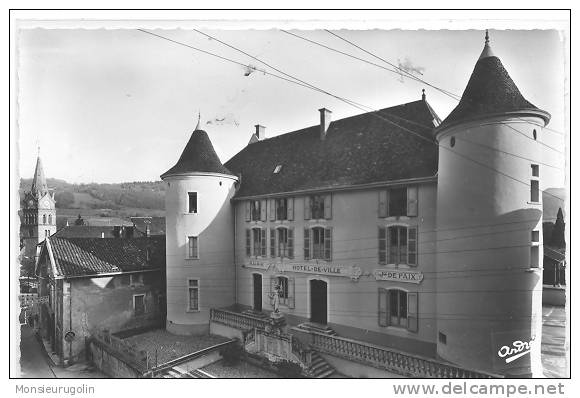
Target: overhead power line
{"type": "Point", "coordinates": [349, 102]}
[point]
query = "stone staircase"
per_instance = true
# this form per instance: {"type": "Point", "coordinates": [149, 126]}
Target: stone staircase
{"type": "Point", "coordinates": [319, 368]}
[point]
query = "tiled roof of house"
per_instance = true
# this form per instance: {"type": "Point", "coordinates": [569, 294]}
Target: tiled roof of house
{"type": "Point", "coordinates": [198, 156]}
{"type": "Point", "coordinates": [84, 231]}
{"type": "Point", "coordinates": [490, 91]}
{"type": "Point", "coordinates": [156, 225]}
{"type": "Point", "coordinates": [360, 149]}
{"type": "Point", "coordinates": [93, 256]}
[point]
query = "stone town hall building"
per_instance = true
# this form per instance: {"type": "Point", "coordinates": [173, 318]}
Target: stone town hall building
{"type": "Point", "coordinates": [390, 227]}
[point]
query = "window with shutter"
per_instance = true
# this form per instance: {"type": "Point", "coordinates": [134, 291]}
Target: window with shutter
{"type": "Point", "coordinates": [382, 245]}
{"type": "Point", "coordinates": [397, 303]}
{"type": "Point", "coordinates": [281, 209]}
{"type": "Point", "coordinates": [397, 245]}
{"type": "Point", "coordinates": [256, 242]}
{"type": "Point", "coordinates": [290, 209]}
{"type": "Point", "coordinates": [263, 242]}
{"type": "Point", "coordinates": [328, 244]}
{"type": "Point", "coordinates": [248, 243]}
{"type": "Point", "coordinates": [306, 244]}
{"type": "Point", "coordinates": [282, 242]}
{"type": "Point", "coordinates": [263, 210]}
{"type": "Point", "coordinates": [382, 203]}
{"type": "Point", "coordinates": [328, 206]}
{"type": "Point", "coordinates": [290, 242]}
{"type": "Point", "coordinates": [412, 246]}
{"type": "Point", "coordinates": [255, 210]}
{"type": "Point", "coordinates": [272, 242]}
{"type": "Point", "coordinates": [397, 204]}
{"type": "Point", "coordinates": [248, 211]}
{"type": "Point", "coordinates": [412, 201]}
{"type": "Point", "coordinates": [383, 311]}
{"type": "Point", "coordinates": [272, 209]}
{"type": "Point", "coordinates": [307, 208]}
{"type": "Point", "coordinates": [291, 297]}
{"type": "Point", "coordinates": [412, 311]}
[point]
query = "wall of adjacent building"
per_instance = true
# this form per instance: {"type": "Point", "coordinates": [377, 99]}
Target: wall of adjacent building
{"type": "Point", "coordinates": [90, 304]}
{"type": "Point", "coordinates": [352, 304]}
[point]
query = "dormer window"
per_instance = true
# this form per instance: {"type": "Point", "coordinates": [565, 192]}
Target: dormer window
{"type": "Point", "coordinates": [277, 169]}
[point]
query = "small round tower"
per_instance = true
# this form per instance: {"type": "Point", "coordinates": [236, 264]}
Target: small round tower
{"type": "Point", "coordinates": [489, 226]}
{"type": "Point", "coordinates": [199, 236]}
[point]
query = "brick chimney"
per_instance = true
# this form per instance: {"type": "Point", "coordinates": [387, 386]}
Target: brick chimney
{"type": "Point", "coordinates": [260, 132]}
{"type": "Point", "coordinates": [325, 119]}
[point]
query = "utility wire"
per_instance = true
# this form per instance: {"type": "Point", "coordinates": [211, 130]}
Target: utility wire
{"type": "Point", "coordinates": [448, 93]}
{"type": "Point", "coordinates": [376, 113]}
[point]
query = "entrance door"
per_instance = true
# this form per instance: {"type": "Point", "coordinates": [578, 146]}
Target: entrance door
{"type": "Point", "coordinates": [257, 292]}
{"type": "Point", "coordinates": [318, 305]}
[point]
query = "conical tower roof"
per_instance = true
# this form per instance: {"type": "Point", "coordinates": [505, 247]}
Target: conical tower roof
{"type": "Point", "coordinates": [198, 156]}
{"type": "Point", "coordinates": [39, 187]}
{"type": "Point", "coordinates": [490, 91]}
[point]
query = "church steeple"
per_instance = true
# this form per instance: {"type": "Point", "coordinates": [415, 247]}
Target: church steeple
{"type": "Point", "coordinates": [39, 187]}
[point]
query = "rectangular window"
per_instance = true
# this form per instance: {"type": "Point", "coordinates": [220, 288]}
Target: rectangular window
{"type": "Point", "coordinates": [192, 202]}
{"type": "Point", "coordinates": [397, 242]}
{"type": "Point", "coordinates": [282, 242]}
{"type": "Point", "coordinates": [193, 247]}
{"type": "Point", "coordinates": [282, 209]}
{"type": "Point", "coordinates": [139, 304]}
{"type": "Point", "coordinates": [397, 202]}
{"type": "Point", "coordinates": [534, 256]}
{"type": "Point", "coordinates": [259, 242]}
{"type": "Point", "coordinates": [317, 206]}
{"type": "Point", "coordinates": [535, 170]}
{"type": "Point", "coordinates": [318, 243]}
{"type": "Point", "coordinates": [397, 308]}
{"type": "Point", "coordinates": [535, 191]}
{"type": "Point", "coordinates": [255, 210]}
{"type": "Point", "coordinates": [442, 338]}
{"type": "Point", "coordinates": [193, 294]}
{"type": "Point", "coordinates": [535, 236]}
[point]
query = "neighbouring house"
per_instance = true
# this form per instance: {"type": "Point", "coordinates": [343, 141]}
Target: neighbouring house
{"type": "Point", "coordinates": [554, 266]}
{"type": "Point", "coordinates": [90, 284]}
{"type": "Point", "coordinates": [96, 231]}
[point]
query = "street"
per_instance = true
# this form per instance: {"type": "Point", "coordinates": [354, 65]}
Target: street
{"type": "Point", "coordinates": [554, 341]}
{"type": "Point", "coordinates": [34, 363]}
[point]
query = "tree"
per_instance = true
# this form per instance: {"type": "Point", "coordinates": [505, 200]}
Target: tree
{"type": "Point", "coordinates": [558, 234]}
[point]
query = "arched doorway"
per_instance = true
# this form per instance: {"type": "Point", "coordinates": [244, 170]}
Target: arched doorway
{"type": "Point", "coordinates": [318, 301]}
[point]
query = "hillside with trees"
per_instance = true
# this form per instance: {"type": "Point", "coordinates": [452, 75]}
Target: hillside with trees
{"type": "Point", "coordinates": [126, 199]}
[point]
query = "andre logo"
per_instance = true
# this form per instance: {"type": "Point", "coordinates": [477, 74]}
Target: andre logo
{"type": "Point", "coordinates": [517, 350]}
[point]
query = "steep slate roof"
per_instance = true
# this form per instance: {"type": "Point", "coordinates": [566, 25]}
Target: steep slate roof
{"type": "Point", "coordinates": [490, 91]}
{"type": "Point", "coordinates": [93, 256]}
{"type": "Point", "coordinates": [357, 150]}
{"type": "Point", "coordinates": [39, 187]}
{"type": "Point", "coordinates": [198, 156]}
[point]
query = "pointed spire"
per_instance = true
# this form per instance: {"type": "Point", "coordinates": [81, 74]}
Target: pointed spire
{"type": "Point", "coordinates": [487, 52]}
{"type": "Point", "coordinates": [39, 187]}
{"type": "Point", "coordinates": [198, 121]}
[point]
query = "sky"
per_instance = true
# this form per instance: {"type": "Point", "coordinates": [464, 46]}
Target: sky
{"type": "Point", "coordinates": [120, 105]}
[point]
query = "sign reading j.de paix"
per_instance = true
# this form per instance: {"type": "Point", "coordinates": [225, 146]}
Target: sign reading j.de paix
{"type": "Point", "coordinates": [399, 276]}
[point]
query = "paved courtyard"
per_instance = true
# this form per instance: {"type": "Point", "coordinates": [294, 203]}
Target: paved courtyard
{"type": "Point", "coordinates": [554, 345]}
{"type": "Point", "coordinates": [167, 346]}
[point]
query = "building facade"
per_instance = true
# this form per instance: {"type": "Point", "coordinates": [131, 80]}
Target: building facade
{"type": "Point", "coordinates": [391, 227]}
{"type": "Point", "coordinates": [92, 284]}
